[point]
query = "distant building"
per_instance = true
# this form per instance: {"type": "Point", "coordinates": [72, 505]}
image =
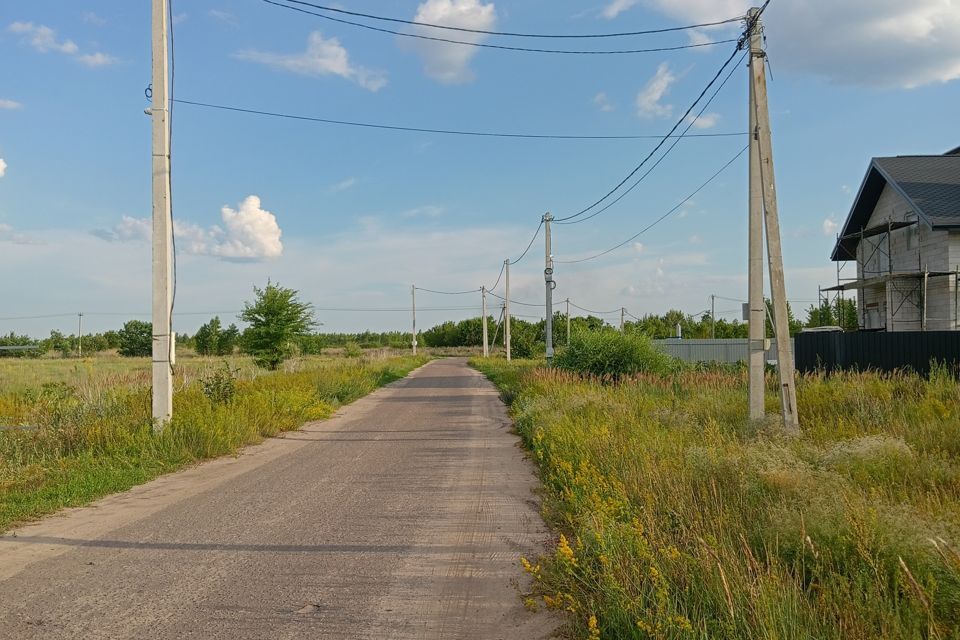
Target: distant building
{"type": "Point", "coordinates": [903, 231]}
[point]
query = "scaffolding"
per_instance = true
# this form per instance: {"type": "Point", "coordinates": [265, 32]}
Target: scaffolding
{"type": "Point", "coordinates": [903, 290]}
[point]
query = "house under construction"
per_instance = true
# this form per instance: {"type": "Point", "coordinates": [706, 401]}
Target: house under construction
{"type": "Point", "coordinates": [903, 231]}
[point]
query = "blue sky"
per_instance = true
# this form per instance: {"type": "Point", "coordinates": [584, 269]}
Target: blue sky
{"type": "Point", "coordinates": [351, 217]}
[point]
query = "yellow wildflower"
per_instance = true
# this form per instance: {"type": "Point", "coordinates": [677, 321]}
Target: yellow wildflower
{"type": "Point", "coordinates": [593, 628]}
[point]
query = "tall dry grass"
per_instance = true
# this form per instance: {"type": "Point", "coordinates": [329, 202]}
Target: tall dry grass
{"type": "Point", "coordinates": [74, 432]}
{"type": "Point", "coordinates": [681, 519]}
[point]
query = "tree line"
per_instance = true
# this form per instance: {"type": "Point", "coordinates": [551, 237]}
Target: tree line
{"type": "Point", "coordinates": [279, 326]}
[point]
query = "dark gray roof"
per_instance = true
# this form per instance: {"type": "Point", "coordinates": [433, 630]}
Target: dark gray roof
{"type": "Point", "coordinates": [929, 184]}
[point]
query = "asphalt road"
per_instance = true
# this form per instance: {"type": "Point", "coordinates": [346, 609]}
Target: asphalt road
{"type": "Point", "coordinates": [402, 517]}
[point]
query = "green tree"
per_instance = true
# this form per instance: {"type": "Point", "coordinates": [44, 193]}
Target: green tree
{"type": "Point", "coordinates": [277, 319]}
{"type": "Point", "coordinates": [136, 339]}
{"type": "Point", "coordinates": [227, 340]}
{"type": "Point", "coordinates": [207, 338]}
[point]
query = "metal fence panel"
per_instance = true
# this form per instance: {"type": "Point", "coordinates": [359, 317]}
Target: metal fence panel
{"type": "Point", "coordinates": [881, 350]}
{"type": "Point", "coordinates": [726, 351]}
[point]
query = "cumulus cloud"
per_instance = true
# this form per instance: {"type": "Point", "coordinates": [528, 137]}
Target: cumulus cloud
{"type": "Point", "coordinates": [323, 57]}
{"type": "Point", "coordinates": [445, 62]}
{"type": "Point", "coordinates": [44, 39]}
{"type": "Point", "coordinates": [706, 121]}
{"type": "Point", "coordinates": [91, 18]}
{"type": "Point", "coordinates": [97, 59]}
{"type": "Point", "coordinates": [129, 229]}
{"type": "Point", "coordinates": [248, 233]}
{"type": "Point", "coordinates": [617, 7]}
{"type": "Point", "coordinates": [881, 43]}
{"type": "Point", "coordinates": [9, 104]}
{"type": "Point", "coordinates": [3, 167]}
{"type": "Point", "coordinates": [224, 16]}
{"type": "Point", "coordinates": [602, 102]}
{"type": "Point", "coordinates": [9, 234]}
{"type": "Point", "coordinates": [343, 185]}
{"type": "Point", "coordinates": [649, 100]}
{"type": "Point", "coordinates": [830, 227]}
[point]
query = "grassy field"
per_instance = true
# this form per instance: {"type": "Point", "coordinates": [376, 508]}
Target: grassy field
{"type": "Point", "coordinates": [680, 519]}
{"type": "Point", "coordinates": [72, 431]}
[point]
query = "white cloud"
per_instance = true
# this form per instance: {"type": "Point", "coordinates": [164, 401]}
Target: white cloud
{"type": "Point", "coordinates": [602, 102]}
{"type": "Point", "coordinates": [3, 167]}
{"type": "Point", "coordinates": [180, 18]}
{"type": "Point", "coordinates": [445, 62]}
{"type": "Point", "coordinates": [649, 99]}
{"type": "Point", "coordinates": [883, 43]}
{"type": "Point", "coordinates": [426, 211]}
{"type": "Point", "coordinates": [343, 185]}
{"type": "Point", "coordinates": [249, 233]}
{"type": "Point", "coordinates": [323, 56]}
{"type": "Point", "coordinates": [44, 39]}
{"type": "Point", "coordinates": [9, 104]}
{"type": "Point", "coordinates": [97, 59]}
{"type": "Point", "coordinates": [830, 227]}
{"type": "Point", "coordinates": [639, 247]}
{"type": "Point", "coordinates": [223, 16]}
{"type": "Point", "coordinates": [129, 229]}
{"type": "Point", "coordinates": [617, 7]}
{"type": "Point", "coordinates": [706, 121]}
{"type": "Point", "coordinates": [91, 18]}
{"type": "Point", "coordinates": [695, 239]}
{"type": "Point", "coordinates": [9, 234]}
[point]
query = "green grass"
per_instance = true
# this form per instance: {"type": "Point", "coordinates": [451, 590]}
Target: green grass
{"type": "Point", "coordinates": [681, 519]}
{"type": "Point", "coordinates": [91, 434]}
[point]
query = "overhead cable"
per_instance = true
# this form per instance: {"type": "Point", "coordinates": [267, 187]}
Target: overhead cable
{"type": "Point", "coordinates": [661, 218]}
{"type": "Point", "coordinates": [501, 47]}
{"type": "Point", "coordinates": [447, 293]}
{"type": "Point", "coordinates": [676, 126]}
{"type": "Point", "coordinates": [449, 132]}
{"type": "Point", "coordinates": [656, 164]}
{"type": "Point", "coordinates": [510, 33]}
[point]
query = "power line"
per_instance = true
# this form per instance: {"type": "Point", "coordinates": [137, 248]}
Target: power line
{"type": "Point", "coordinates": [450, 132]}
{"type": "Point", "coordinates": [512, 301]}
{"type": "Point", "coordinates": [661, 218]}
{"type": "Point", "coordinates": [599, 313]}
{"type": "Point", "coordinates": [501, 47]}
{"type": "Point", "coordinates": [664, 155]}
{"type": "Point", "coordinates": [514, 34]}
{"type": "Point", "coordinates": [493, 288]}
{"type": "Point", "coordinates": [525, 251]}
{"type": "Point", "coordinates": [447, 293]}
{"type": "Point", "coordinates": [660, 144]}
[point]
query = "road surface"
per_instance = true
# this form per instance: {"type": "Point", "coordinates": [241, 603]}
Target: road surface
{"type": "Point", "coordinates": [402, 517]}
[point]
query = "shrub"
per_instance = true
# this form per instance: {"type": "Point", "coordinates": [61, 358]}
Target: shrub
{"type": "Point", "coordinates": [352, 350]}
{"type": "Point", "coordinates": [613, 354]}
{"type": "Point", "coordinates": [136, 339]}
{"type": "Point", "coordinates": [220, 385]}
{"type": "Point", "coordinates": [277, 321]}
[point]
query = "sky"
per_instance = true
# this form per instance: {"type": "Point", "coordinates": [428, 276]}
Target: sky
{"type": "Point", "coordinates": [351, 217]}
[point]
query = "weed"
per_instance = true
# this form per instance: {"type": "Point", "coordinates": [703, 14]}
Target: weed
{"type": "Point", "coordinates": [682, 519]}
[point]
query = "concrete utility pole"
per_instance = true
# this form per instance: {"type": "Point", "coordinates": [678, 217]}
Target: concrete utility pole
{"type": "Point", "coordinates": [486, 346]}
{"type": "Point", "coordinates": [162, 224]}
{"type": "Point", "coordinates": [506, 311]}
{"type": "Point", "coordinates": [568, 322]}
{"type": "Point", "coordinates": [756, 325]}
{"type": "Point", "coordinates": [768, 187]}
{"type": "Point", "coordinates": [550, 284]}
{"type": "Point", "coordinates": [80, 335]}
{"type": "Point", "coordinates": [623, 313]}
{"type": "Point", "coordinates": [713, 317]}
{"type": "Point", "coordinates": [413, 331]}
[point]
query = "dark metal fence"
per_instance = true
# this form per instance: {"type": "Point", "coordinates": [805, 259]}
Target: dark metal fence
{"type": "Point", "coordinates": [880, 351]}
